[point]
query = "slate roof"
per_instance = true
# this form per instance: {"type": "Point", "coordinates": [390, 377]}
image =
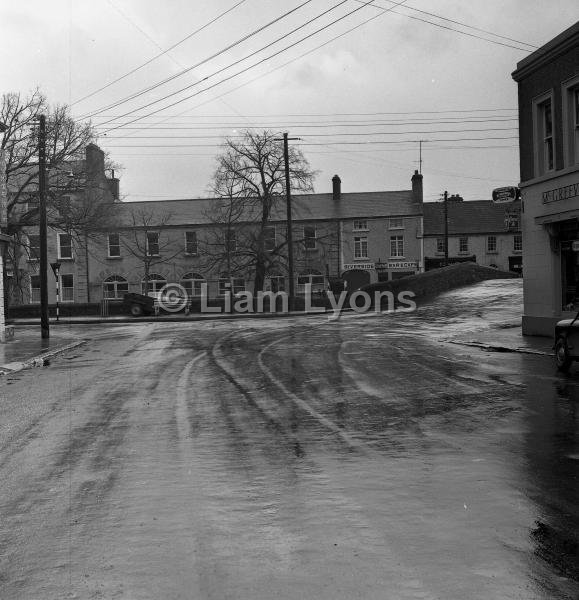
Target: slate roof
{"type": "Point", "coordinates": [467, 217]}
{"type": "Point", "coordinates": [306, 207]}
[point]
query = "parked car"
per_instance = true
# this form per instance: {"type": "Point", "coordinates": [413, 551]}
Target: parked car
{"type": "Point", "coordinates": [139, 304]}
{"type": "Point", "coordinates": [566, 343]}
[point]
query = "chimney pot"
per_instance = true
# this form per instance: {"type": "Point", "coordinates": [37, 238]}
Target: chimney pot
{"type": "Point", "coordinates": [336, 187]}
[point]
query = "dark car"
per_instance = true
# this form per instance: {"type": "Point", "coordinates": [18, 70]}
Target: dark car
{"type": "Point", "coordinates": [566, 343]}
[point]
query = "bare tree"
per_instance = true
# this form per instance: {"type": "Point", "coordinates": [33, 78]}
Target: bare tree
{"type": "Point", "coordinates": [145, 241]}
{"type": "Point", "coordinates": [250, 181]}
{"type": "Point", "coordinates": [75, 198]}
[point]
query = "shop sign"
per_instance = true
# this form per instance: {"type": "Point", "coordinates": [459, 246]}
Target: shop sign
{"type": "Point", "coordinates": [360, 266]}
{"type": "Point", "coordinates": [562, 193]}
{"type": "Point", "coordinates": [506, 194]}
{"type": "Point", "coordinates": [403, 265]}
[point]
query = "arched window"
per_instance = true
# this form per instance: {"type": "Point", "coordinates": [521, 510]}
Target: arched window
{"type": "Point", "coordinates": [156, 283]}
{"type": "Point", "coordinates": [312, 277]}
{"type": "Point", "coordinates": [115, 286]}
{"type": "Point", "coordinates": [227, 283]}
{"type": "Point", "coordinates": [192, 283]}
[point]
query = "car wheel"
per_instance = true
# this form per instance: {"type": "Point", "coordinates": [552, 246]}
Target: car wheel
{"type": "Point", "coordinates": [562, 358]}
{"type": "Point", "coordinates": [136, 310]}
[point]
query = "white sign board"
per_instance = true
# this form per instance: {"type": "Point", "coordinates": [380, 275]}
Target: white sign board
{"type": "Point", "coordinates": [360, 266]}
{"type": "Point", "coordinates": [403, 265]}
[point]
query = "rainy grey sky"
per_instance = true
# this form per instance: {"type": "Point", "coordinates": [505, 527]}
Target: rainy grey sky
{"type": "Point", "coordinates": [359, 89]}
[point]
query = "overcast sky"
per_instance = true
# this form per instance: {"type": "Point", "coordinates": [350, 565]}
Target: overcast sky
{"type": "Point", "coordinates": [359, 102]}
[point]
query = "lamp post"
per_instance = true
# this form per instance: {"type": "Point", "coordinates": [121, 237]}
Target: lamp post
{"type": "Point", "coordinates": [56, 270]}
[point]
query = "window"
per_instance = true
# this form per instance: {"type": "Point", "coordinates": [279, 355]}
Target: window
{"type": "Point", "coordinates": [269, 241]}
{"type": "Point", "coordinates": [114, 245]}
{"type": "Point", "coordinates": [67, 287]}
{"type": "Point", "coordinates": [233, 284]}
{"type": "Point", "coordinates": [396, 246]}
{"type": "Point", "coordinates": [64, 246]}
{"type": "Point", "coordinates": [275, 283]}
{"type": "Point", "coordinates": [570, 97]}
{"type": "Point", "coordinates": [518, 243]}
{"type": "Point", "coordinates": [313, 278]}
{"type": "Point", "coordinates": [191, 242]}
{"type": "Point", "coordinates": [115, 287]}
{"type": "Point", "coordinates": [361, 225]}
{"type": "Point", "coordinates": [575, 109]}
{"type": "Point", "coordinates": [491, 244]}
{"type": "Point", "coordinates": [310, 237]}
{"type": "Point", "coordinates": [463, 245]}
{"type": "Point", "coordinates": [230, 241]}
{"type": "Point", "coordinates": [33, 247]}
{"type": "Point", "coordinates": [543, 132]}
{"type": "Point", "coordinates": [152, 243]}
{"type": "Point", "coordinates": [360, 247]}
{"type": "Point", "coordinates": [192, 283]}
{"type": "Point", "coordinates": [156, 283]}
{"type": "Point", "coordinates": [34, 289]}
{"type": "Point", "coordinates": [440, 245]}
{"type": "Point", "coordinates": [397, 223]}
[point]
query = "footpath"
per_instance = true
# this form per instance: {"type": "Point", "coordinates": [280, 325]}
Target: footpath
{"type": "Point", "coordinates": [24, 348]}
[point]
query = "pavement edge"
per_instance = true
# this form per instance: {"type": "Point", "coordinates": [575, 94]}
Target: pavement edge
{"type": "Point", "coordinates": [39, 360]}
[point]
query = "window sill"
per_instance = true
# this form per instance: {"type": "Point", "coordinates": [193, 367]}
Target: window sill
{"type": "Point", "coordinates": [464, 253]}
{"type": "Point", "coordinates": [517, 251]}
{"type": "Point", "coordinates": [360, 230]}
{"type": "Point", "coordinates": [32, 260]}
{"type": "Point", "coordinates": [114, 257]}
{"type": "Point", "coordinates": [70, 259]}
{"type": "Point", "coordinates": [493, 252]}
{"type": "Point", "coordinates": [191, 253]}
{"type": "Point", "coordinates": [396, 228]}
{"type": "Point", "coordinates": [360, 258]}
{"type": "Point", "coordinates": [396, 258]}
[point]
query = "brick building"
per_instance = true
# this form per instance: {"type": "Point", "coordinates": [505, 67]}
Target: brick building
{"type": "Point", "coordinates": [548, 89]}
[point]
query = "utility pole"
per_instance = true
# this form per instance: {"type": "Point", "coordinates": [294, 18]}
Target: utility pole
{"type": "Point", "coordinates": [44, 325]}
{"type": "Point", "coordinates": [446, 229]}
{"type": "Point", "coordinates": [290, 250]}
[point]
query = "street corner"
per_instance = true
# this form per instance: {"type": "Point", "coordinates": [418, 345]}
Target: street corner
{"type": "Point", "coordinates": [38, 360]}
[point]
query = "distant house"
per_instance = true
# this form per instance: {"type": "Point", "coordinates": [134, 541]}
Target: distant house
{"type": "Point", "coordinates": [548, 84]}
{"type": "Point", "coordinates": [479, 231]}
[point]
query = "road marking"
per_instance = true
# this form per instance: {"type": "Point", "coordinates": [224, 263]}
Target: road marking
{"type": "Point", "coordinates": [182, 387]}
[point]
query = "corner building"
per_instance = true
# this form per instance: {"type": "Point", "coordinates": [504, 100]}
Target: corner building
{"type": "Point", "coordinates": [548, 90]}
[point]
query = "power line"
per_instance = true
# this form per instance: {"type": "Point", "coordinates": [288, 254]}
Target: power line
{"type": "Point", "coordinates": [148, 62]}
{"type": "Point", "coordinates": [319, 143]}
{"type": "Point", "coordinates": [318, 135]}
{"type": "Point", "coordinates": [463, 25]}
{"type": "Point", "coordinates": [205, 60]}
{"type": "Point", "coordinates": [313, 125]}
{"type": "Point", "coordinates": [235, 74]}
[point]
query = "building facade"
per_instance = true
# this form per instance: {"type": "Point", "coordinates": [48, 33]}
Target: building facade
{"type": "Point", "coordinates": [478, 231]}
{"type": "Point", "coordinates": [548, 90]}
{"type": "Point", "coordinates": [341, 240]}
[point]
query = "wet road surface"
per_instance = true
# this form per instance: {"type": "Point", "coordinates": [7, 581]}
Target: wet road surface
{"type": "Point", "coordinates": [293, 458]}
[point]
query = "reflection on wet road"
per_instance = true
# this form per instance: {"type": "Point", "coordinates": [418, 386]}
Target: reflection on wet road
{"type": "Point", "coordinates": [294, 458]}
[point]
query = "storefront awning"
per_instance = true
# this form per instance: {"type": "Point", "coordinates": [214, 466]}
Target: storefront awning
{"type": "Point", "coordinates": [566, 215]}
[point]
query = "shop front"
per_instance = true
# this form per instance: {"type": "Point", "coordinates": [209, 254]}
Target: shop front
{"type": "Point", "coordinates": [551, 253]}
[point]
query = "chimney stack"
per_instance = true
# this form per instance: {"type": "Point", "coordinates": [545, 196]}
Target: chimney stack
{"type": "Point", "coordinates": [417, 187]}
{"type": "Point", "coordinates": [336, 187]}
